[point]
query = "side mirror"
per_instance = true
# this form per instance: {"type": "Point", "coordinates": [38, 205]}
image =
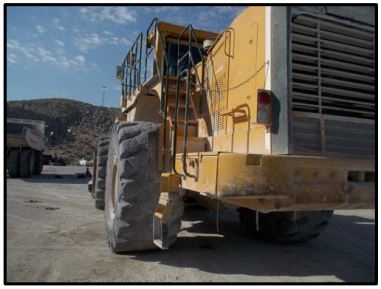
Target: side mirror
{"type": "Point", "coordinates": [119, 72]}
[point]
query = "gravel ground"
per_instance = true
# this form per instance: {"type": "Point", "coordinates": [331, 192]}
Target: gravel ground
{"type": "Point", "coordinates": [55, 234]}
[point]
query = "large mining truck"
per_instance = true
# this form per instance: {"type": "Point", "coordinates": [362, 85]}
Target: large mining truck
{"type": "Point", "coordinates": [25, 146]}
{"type": "Point", "coordinates": [274, 116]}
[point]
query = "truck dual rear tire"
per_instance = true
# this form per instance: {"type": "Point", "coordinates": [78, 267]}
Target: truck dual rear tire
{"type": "Point", "coordinates": [284, 226]}
{"type": "Point", "coordinates": [24, 163]}
{"type": "Point", "coordinates": [37, 168]}
{"type": "Point", "coordinates": [99, 183]}
{"type": "Point", "coordinates": [13, 163]}
{"type": "Point", "coordinates": [133, 187]}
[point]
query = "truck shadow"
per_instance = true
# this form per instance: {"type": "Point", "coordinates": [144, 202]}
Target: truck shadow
{"type": "Point", "coordinates": [346, 250]}
{"type": "Point", "coordinates": [57, 179]}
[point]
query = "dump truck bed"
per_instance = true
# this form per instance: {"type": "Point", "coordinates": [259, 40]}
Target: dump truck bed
{"type": "Point", "coordinates": [25, 133]}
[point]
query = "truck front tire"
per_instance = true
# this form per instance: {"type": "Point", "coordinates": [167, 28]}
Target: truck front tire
{"type": "Point", "coordinates": [133, 187]}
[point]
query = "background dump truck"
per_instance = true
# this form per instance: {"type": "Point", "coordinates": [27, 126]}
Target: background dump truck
{"type": "Point", "coordinates": [274, 116]}
{"type": "Point", "coordinates": [25, 144]}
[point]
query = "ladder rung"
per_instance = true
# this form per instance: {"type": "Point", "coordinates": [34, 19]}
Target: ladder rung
{"type": "Point", "coordinates": [190, 122]}
{"type": "Point", "coordinates": [181, 105]}
{"type": "Point", "coordinates": [173, 90]}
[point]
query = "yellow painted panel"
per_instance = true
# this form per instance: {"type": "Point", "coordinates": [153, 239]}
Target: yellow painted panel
{"type": "Point", "coordinates": [257, 140]}
{"type": "Point", "coordinates": [239, 175]}
{"type": "Point", "coordinates": [204, 167]}
{"type": "Point", "coordinates": [222, 143]}
{"type": "Point", "coordinates": [272, 183]}
{"type": "Point", "coordinates": [241, 141]}
{"type": "Point", "coordinates": [231, 84]}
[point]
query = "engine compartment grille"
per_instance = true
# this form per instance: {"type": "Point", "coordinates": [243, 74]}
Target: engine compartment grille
{"type": "Point", "coordinates": [333, 68]}
{"type": "Point", "coordinates": [333, 86]}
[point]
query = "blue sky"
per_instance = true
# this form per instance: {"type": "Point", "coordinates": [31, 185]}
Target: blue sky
{"type": "Point", "coordinates": [72, 52]}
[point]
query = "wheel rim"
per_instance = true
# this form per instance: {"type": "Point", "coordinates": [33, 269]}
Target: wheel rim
{"type": "Point", "coordinates": [114, 188]}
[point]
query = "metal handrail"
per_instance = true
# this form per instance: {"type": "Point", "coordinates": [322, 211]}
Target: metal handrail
{"type": "Point", "coordinates": [149, 50]}
{"type": "Point", "coordinates": [161, 74]}
{"type": "Point", "coordinates": [132, 73]}
{"type": "Point", "coordinates": [132, 67]}
{"type": "Point", "coordinates": [191, 40]}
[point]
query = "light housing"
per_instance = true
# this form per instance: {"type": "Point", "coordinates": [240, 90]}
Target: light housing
{"type": "Point", "coordinates": [264, 107]}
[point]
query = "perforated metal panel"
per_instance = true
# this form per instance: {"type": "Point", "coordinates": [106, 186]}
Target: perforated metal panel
{"type": "Point", "coordinates": [217, 104]}
{"type": "Point", "coordinates": [333, 86]}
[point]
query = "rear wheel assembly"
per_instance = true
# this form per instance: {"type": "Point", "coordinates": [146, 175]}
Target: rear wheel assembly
{"type": "Point", "coordinates": [37, 167]}
{"type": "Point", "coordinates": [26, 163]}
{"type": "Point", "coordinates": [99, 180]}
{"type": "Point", "coordinates": [284, 226]}
{"type": "Point", "coordinates": [133, 187]}
{"type": "Point", "coordinates": [13, 163]}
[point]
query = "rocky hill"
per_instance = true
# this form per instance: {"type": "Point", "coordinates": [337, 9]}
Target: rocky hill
{"type": "Point", "coordinates": [72, 126]}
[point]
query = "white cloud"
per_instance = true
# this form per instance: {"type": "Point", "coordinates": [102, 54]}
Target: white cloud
{"type": "Point", "coordinates": [162, 9]}
{"type": "Point", "coordinates": [210, 18]}
{"type": "Point", "coordinates": [12, 43]}
{"type": "Point", "coordinates": [40, 29]}
{"type": "Point", "coordinates": [27, 51]}
{"type": "Point", "coordinates": [59, 43]}
{"type": "Point", "coordinates": [84, 43]}
{"type": "Point", "coordinates": [224, 9]}
{"type": "Point", "coordinates": [80, 58]}
{"type": "Point", "coordinates": [94, 40]}
{"type": "Point", "coordinates": [76, 62]}
{"type": "Point", "coordinates": [12, 58]}
{"type": "Point", "coordinates": [45, 55]}
{"type": "Point", "coordinates": [39, 53]}
{"type": "Point", "coordinates": [58, 25]}
{"type": "Point", "coordinates": [119, 15]}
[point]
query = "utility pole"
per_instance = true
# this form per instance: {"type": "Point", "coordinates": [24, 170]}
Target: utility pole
{"type": "Point", "coordinates": [103, 95]}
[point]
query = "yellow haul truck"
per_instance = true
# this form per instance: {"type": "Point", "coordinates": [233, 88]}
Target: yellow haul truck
{"type": "Point", "coordinates": [25, 146]}
{"type": "Point", "coordinates": [274, 116]}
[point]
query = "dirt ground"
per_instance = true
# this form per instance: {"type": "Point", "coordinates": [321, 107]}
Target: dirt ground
{"type": "Point", "coordinates": [55, 234]}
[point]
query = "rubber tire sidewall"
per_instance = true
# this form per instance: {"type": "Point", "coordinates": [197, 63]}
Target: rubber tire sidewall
{"type": "Point", "coordinates": [281, 226]}
{"type": "Point", "coordinates": [25, 163]}
{"type": "Point", "coordinates": [99, 179]}
{"type": "Point", "coordinates": [37, 169]}
{"type": "Point", "coordinates": [137, 186]}
{"type": "Point", "coordinates": [13, 163]}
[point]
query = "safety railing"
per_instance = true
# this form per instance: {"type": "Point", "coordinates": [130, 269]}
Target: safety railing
{"type": "Point", "coordinates": [152, 35]}
{"type": "Point", "coordinates": [131, 66]}
{"type": "Point", "coordinates": [184, 71]}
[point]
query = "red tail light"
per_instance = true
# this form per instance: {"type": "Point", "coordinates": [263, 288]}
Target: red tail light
{"type": "Point", "coordinates": [264, 97]}
{"type": "Point", "coordinates": [264, 107]}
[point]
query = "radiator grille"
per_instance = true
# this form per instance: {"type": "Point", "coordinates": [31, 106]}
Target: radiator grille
{"type": "Point", "coordinates": [333, 68]}
{"type": "Point", "coordinates": [333, 86]}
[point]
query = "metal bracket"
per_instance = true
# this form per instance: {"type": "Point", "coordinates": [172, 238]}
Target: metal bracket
{"type": "Point", "coordinates": [169, 194]}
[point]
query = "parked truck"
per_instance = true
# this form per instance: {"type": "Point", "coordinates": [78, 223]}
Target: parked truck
{"type": "Point", "coordinates": [25, 146]}
{"type": "Point", "coordinates": [274, 116]}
